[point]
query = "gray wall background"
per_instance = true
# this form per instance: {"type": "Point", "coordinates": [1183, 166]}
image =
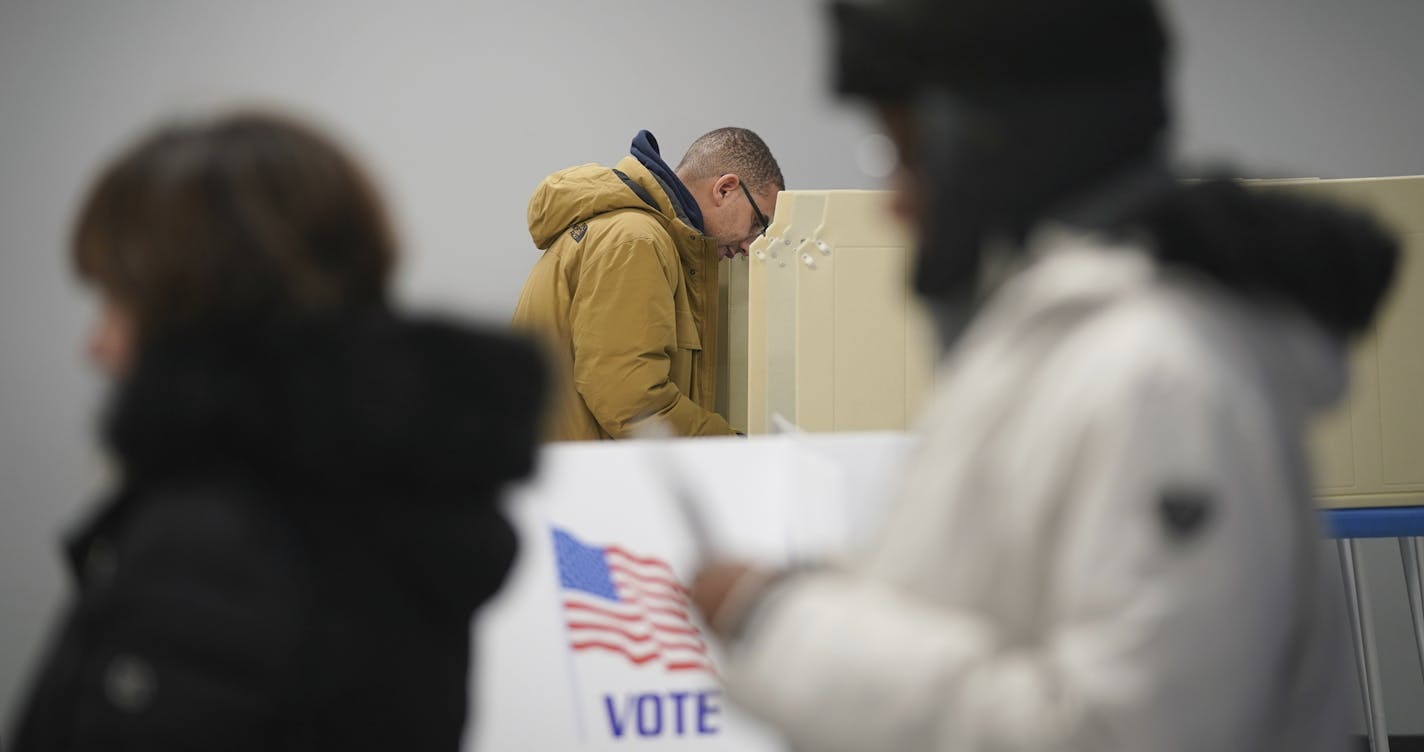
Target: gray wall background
{"type": "Point", "coordinates": [460, 108]}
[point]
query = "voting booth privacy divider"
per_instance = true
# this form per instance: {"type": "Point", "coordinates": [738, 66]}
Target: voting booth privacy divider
{"type": "Point", "coordinates": [1369, 452]}
{"type": "Point", "coordinates": [823, 330]}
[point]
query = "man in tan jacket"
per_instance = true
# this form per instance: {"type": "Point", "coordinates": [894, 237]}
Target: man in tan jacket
{"type": "Point", "coordinates": [625, 295]}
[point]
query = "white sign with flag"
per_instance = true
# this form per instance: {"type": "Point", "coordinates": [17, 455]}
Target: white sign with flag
{"type": "Point", "coordinates": [593, 644]}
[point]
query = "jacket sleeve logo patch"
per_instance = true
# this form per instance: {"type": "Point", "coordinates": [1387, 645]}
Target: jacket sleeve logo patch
{"type": "Point", "coordinates": [1185, 512]}
{"type": "Point", "coordinates": [578, 231]}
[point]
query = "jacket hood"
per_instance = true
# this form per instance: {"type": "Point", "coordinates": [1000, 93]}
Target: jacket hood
{"type": "Point", "coordinates": [1070, 275]}
{"type": "Point", "coordinates": [1333, 263]}
{"type": "Point", "coordinates": [581, 193]}
{"type": "Point", "coordinates": [645, 149]}
{"type": "Point", "coordinates": [353, 408]}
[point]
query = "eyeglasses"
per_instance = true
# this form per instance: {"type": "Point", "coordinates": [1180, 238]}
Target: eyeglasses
{"type": "Point", "coordinates": [761, 218]}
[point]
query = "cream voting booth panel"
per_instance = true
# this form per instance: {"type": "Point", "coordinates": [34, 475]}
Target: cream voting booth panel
{"type": "Point", "coordinates": [829, 336]}
{"type": "Point", "coordinates": [732, 332]}
{"type": "Point", "coordinates": [835, 340]}
{"type": "Point", "coordinates": [591, 645]}
{"type": "Point", "coordinates": [1369, 452]}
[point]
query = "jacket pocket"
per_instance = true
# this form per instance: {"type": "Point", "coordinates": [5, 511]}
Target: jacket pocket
{"type": "Point", "coordinates": [689, 348]}
{"type": "Point", "coordinates": [687, 335]}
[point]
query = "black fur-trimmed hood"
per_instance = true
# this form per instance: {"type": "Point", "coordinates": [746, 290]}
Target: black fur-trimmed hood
{"type": "Point", "coordinates": [354, 406]}
{"type": "Point", "coordinates": [1334, 263]}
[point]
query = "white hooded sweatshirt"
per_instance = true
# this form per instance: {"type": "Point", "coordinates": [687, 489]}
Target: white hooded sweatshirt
{"type": "Point", "coordinates": [1105, 539]}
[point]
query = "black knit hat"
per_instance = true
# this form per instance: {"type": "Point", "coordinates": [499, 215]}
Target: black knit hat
{"type": "Point", "coordinates": [891, 49]}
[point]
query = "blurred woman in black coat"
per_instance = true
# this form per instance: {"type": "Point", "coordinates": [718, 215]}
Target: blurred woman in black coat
{"type": "Point", "coordinates": [306, 516]}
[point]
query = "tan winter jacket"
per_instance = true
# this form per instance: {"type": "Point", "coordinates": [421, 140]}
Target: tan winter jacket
{"type": "Point", "coordinates": [625, 297]}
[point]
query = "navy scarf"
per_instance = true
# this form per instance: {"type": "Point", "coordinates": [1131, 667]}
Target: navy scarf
{"type": "Point", "coordinates": [645, 149]}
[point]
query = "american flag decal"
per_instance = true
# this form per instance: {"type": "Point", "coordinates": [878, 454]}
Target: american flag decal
{"type": "Point", "coordinates": [628, 605]}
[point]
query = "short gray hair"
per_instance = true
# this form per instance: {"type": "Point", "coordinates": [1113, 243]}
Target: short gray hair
{"type": "Point", "coordinates": [732, 150]}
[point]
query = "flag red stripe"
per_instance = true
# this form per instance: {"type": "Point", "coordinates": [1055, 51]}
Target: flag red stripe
{"type": "Point", "coordinates": [680, 616]}
{"type": "Point", "coordinates": [673, 612]}
{"type": "Point", "coordinates": [685, 631]}
{"type": "Point", "coordinates": [626, 589]}
{"type": "Point", "coordinates": [635, 637]}
{"type": "Point", "coordinates": [645, 561]}
{"type": "Point", "coordinates": [648, 579]}
{"type": "Point", "coordinates": [575, 605]}
{"type": "Point", "coordinates": [709, 668]}
{"type": "Point", "coordinates": [641, 591]}
{"type": "Point", "coordinates": [638, 659]}
{"type": "Point", "coordinates": [688, 631]}
{"type": "Point", "coordinates": [661, 607]}
{"type": "Point", "coordinates": [696, 647]}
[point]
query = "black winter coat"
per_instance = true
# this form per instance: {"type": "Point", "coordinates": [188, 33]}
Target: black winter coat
{"type": "Point", "coordinates": [306, 523]}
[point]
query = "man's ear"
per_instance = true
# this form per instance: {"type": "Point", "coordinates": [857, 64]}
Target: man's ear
{"type": "Point", "coordinates": [724, 187]}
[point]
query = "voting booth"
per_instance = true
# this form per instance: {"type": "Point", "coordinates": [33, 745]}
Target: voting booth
{"type": "Point", "coordinates": [826, 332]}
{"type": "Point", "coordinates": [1369, 451]}
{"type": "Point", "coordinates": [822, 330]}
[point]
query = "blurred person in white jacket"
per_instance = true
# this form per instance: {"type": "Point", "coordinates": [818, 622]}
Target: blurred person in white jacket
{"type": "Point", "coordinates": [1105, 539]}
